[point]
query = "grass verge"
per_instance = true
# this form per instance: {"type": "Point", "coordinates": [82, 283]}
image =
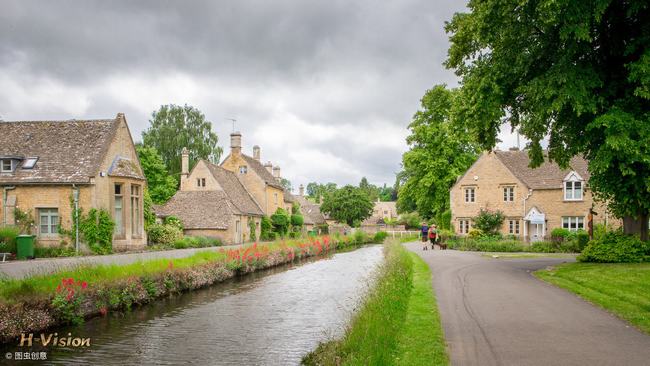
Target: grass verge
{"type": "Point", "coordinates": [397, 325]}
{"type": "Point", "coordinates": [620, 288]}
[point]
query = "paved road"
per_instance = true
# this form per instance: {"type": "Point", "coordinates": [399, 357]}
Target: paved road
{"type": "Point", "coordinates": [494, 312]}
{"type": "Point", "coordinates": [21, 269]}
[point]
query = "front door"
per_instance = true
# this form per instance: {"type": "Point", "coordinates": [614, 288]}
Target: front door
{"type": "Point", "coordinates": [238, 238]}
{"type": "Point", "coordinates": [536, 232]}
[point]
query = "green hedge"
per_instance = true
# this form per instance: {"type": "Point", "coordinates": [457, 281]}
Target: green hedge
{"type": "Point", "coordinates": [616, 247]}
{"type": "Point", "coordinates": [8, 236]}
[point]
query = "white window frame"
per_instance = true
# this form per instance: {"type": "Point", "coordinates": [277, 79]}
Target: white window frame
{"type": "Point", "coordinates": [118, 217]}
{"type": "Point", "coordinates": [30, 163]}
{"type": "Point", "coordinates": [3, 168]}
{"type": "Point", "coordinates": [470, 194]}
{"type": "Point", "coordinates": [570, 189]}
{"type": "Point", "coordinates": [573, 223]}
{"type": "Point", "coordinates": [464, 226]}
{"type": "Point", "coordinates": [52, 228]}
{"type": "Point", "coordinates": [136, 211]}
{"type": "Point", "coordinates": [508, 194]}
{"type": "Point", "coordinates": [514, 227]}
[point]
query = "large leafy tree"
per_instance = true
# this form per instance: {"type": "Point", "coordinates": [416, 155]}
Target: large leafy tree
{"type": "Point", "coordinates": [577, 72]}
{"type": "Point", "coordinates": [348, 204]}
{"type": "Point", "coordinates": [161, 185]}
{"type": "Point", "coordinates": [440, 151]}
{"type": "Point", "coordinates": [316, 191]}
{"type": "Point", "coordinates": [371, 190]}
{"type": "Point", "coordinates": [173, 128]}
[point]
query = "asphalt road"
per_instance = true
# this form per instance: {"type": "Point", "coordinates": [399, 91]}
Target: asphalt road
{"type": "Point", "coordinates": [495, 312]}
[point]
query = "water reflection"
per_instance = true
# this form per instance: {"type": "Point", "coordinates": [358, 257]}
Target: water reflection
{"type": "Point", "coordinates": [266, 318]}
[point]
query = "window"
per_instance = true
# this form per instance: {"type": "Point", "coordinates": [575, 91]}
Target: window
{"type": "Point", "coordinates": [573, 223]}
{"type": "Point", "coordinates": [463, 226]}
{"type": "Point", "coordinates": [29, 163]}
{"type": "Point", "coordinates": [135, 210]}
{"type": "Point", "coordinates": [573, 191]}
{"type": "Point", "coordinates": [5, 166]}
{"type": "Point", "coordinates": [513, 227]}
{"type": "Point", "coordinates": [275, 195]}
{"type": "Point", "coordinates": [243, 169]}
{"type": "Point", "coordinates": [470, 195]}
{"type": "Point", "coordinates": [118, 212]}
{"type": "Point", "coordinates": [508, 194]}
{"type": "Point", "coordinates": [48, 221]}
{"type": "Point", "coordinates": [200, 182]}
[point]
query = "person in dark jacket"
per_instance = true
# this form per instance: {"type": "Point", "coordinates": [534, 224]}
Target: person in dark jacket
{"type": "Point", "coordinates": [425, 234]}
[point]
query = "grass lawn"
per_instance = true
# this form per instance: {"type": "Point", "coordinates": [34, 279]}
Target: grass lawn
{"type": "Point", "coordinates": [397, 325]}
{"type": "Point", "coordinates": [623, 289]}
{"type": "Point", "coordinates": [527, 255]}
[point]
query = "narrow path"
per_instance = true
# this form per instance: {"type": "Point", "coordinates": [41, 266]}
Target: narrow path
{"type": "Point", "coordinates": [495, 312]}
{"type": "Point", "coordinates": [21, 269]}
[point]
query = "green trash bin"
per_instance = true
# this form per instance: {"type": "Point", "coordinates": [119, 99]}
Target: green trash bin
{"type": "Point", "coordinates": [25, 247]}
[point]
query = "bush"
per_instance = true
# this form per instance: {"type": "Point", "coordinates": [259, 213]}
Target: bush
{"type": "Point", "coordinates": [52, 252]}
{"type": "Point", "coordinates": [579, 239]}
{"type": "Point", "coordinates": [265, 229]}
{"type": "Point", "coordinates": [475, 234]}
{"type": "Point", "coordinates": [600, 230]}
{"type": "Point", "coordinates": [360, 237]}
{"type": "Point", "coordinates": [486, 244]}
{"type": "Point", "coordinates": [165, 235]}
{"type": "Point", "coordinates": [446, 235]}
{"type": "Point", "coordinates": [380, 236]}
{"type": "Point", "coordinates": [616, 247]}
{"type": "Point", "coordinates": [174, 221]}
{"type": "Point", "coordinates": [443, 220]}
{"type": "Point", "coordinates": [280, 220]}
{"type": "Point", "coordinates": [489, 222]}
{"type": "Point", "coordinates": [97, 230]}
{"type": "Point", "coordinates": [410, 220]}
{"type": "Point", "coordinates": [8, 236]}
{"type": "Point", "coordinates": [568, 246]}
{"type": "Point", "coordinates": [297, 220]}
{"type": "Point", "coordinates": [560, 234]}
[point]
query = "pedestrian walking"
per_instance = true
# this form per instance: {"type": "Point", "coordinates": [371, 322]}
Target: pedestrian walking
{"type": "Point", "coordinates": [425, 235]}
{"type": "Point", "coordinates": [433, 235]}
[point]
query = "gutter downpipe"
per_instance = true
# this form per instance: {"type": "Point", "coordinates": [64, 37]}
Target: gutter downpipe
{"type": "Point", "coordinates": [75, 195]}
{"type": "Point", "coordinates": [4, 203]}
{"type": "Point", "coordinates": [530, 193]}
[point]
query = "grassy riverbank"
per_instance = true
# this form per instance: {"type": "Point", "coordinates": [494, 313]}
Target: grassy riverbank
{"type": "Point", "coordinates": [622, 289]}
{"type": "Point", "coordinates": [69, 296]}
{"type": "Point", "coordinates": [397, 325]}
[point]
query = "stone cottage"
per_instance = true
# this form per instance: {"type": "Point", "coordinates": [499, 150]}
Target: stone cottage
{"type": "Point", "coordinates": [213, 202]}
{"type": "Point", "coordinates": [534, 201]}
{"type": "Point", "coordinates": [261, 181]}
{"type": "Point", "coordinates": [45, 165]}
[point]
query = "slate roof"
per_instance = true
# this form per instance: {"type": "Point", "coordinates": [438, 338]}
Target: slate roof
{"type": "Point", "coordinates": [199, 209]}
{"type": "Point", "coordinates": [288, 197]}
{"type": "Point", "coordinates": [239, 197]}
{"type": "Point", "coordinates": [310, 211]}
{"type": "Point", "coordinates": [68, 151]}
{"type": "Point", "coordinates": [546, 176]}
{"type": "Point", "coordinates": [124, 167]}
{"type": "Point", "coordinates": [262, 172]}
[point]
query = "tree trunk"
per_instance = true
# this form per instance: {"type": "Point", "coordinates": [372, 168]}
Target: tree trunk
{"type": "Point", "coordinates": [636, 225]}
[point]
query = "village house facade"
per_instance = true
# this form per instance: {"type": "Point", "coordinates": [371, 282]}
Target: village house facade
{"type": "Point", "coordinates": [213, 202]}
{"type": "Point", "coordinates": [47, 165]}
{"type": "Point", "coordinates": [261, 181]}
{"type": "Point", "coordinates": [534, 201]}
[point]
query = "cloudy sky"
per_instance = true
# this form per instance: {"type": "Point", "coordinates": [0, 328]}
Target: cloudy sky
{"type": "Point", "coordinates": [326, 88]}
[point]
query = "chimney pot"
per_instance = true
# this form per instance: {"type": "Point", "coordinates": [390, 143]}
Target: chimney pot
{"type": "Point", "coordinates": [301, 190]}
{"type": "Point", "coordinates": [276, 171]}
{"type": "Point", "coordinates": [269, 167]}
{"type": "Point", "coordinates": [185, 165]}
{"type": "Point", "coordinates": [235, 143]}
{"type": "Point", "coordinates": [256, 152]}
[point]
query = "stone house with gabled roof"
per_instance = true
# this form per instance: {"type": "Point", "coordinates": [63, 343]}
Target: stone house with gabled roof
{"type": "Point", "coordinates": [45, 163]}
{"type": "Point", "coordinates": [534, 201]}
{"type": "Point", "coordinates": [261, 181]}
{"type": "Point", "coordinates": [213, 202]}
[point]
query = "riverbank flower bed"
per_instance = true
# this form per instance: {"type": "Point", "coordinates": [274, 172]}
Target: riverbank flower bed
{"type": "Point", "coordinates": [36, 303]}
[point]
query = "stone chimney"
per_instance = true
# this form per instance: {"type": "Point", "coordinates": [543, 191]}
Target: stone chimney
{"type": "Point", "coordinates": [276, 172]}
{"type": "Point", "coordinates": [269, 167]}
{"type": "Point", "coordinates": [235, 143]}
{"type": "Point", "coordinates": [256, 152]}
{"type": "Point", "coordinates": [301, 189]}
{"type": "Point", "coordinates": [185, 166]}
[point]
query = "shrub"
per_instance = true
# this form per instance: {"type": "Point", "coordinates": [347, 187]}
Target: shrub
{"type": "Point", "coordinates": [616, 247]}
{"type": "Point", "coordinates": [252, 228]}
{"type": "Point", "coordinates": [24, 221]}
{"type": "Point", "coordinates": [410, 220]}
{"type": "Point", "coordinates": [280, 220]}
{"type": "Point", "coordinates": [475, 234]}
{"type": "Point", "coordinates": [8, 236]}
{"type": "Point", "coordinates": [265, 229]}
{"type": "Point", "coordinates": [489, 222]}
{"type": "Point", "coordinates": [600, 230]}
{"type": "Point", "coordinates": [446, 234]}
{"type": "Point", "coordinates": [174, 221]}
{"type": "Point", "coordinates": [97, 230]}
{"type": "Point", "coordinates": [360, 237]}
{"type": "Point", "coordinates": [560, 234]}
{"type": "Point", "coordinates": [297, 220]}
{"type": "Point", "coordinates": [164, 235]}
{"type": "Point", "coordinates": [53, 252]}
{"type": "Point", "coordinates": [380, 236]}
{"type": "Point", "coordinates": [579, 239]}
{"type": "Point", "coordinates": [443, 220]}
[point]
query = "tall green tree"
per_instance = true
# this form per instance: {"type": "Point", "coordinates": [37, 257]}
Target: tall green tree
{"type": "Point", "coordinates": [349, 204]}
{"type": "Point", "coordinates": [286, 183]}
{"type": "Point", "coordinates": [316, 191]}
{"type": "Point", "coordinates": [161, 185]}
{"type": "Point", "coordinates": [371, 190]}
{"type": "Point", "coordinates": [174, 127]}
{"type": "Point", "coordinates": [575, 71]}
{"type": "Point", "coordinates": [440, 151]}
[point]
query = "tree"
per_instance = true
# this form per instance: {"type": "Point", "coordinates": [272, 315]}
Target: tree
{"type": "Point", "coordinates": [281, 221]}
{"type": "Point", "coordinates": [440, 151]}
{"type": "Point", "coordinates": [575, 71]}
{"type": "Point", "coordinates": [371, 190]}
{"type": "Point", "coordinates": [173, 128]}
{"type": "Point", "coordinates": [349, 204]}
{"type": "Point", "coordinates": [162, 186]}
{"type": "Point", "coordinates": [489, 222]}
{"type": "Point", "coordinates": [316, 191]}
{"type": "Point", "coordinates": [286, 183]}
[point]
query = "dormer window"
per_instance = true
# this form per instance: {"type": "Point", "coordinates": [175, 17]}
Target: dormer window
{"type": "Point", "coordinates": [29, 163]}
{"type": "Point", "coordinates": [243, 169]}
{"type": "Point", "coordinates": [573, 187]}
{"type": "Point", "coordinates": [6, 166]}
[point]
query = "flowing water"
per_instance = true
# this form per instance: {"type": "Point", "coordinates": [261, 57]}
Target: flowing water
{"type": "Point", "coordinates": [272, 317]}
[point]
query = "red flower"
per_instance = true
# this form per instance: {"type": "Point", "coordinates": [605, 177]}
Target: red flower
{"type": "Point", "coordinates": [84, 285]}
{"type": "Point", "coordinates": [103, 311]}
{"type": "Point", "coordinates": [58, 288]}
